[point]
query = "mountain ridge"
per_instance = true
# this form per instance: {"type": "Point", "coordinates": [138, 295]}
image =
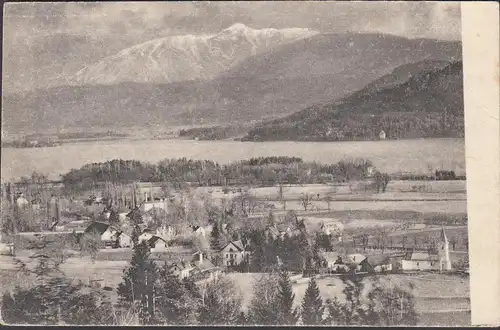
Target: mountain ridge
{"type": "Point", "coordinates": [427, 104]}
{"type": "Point", "coordinates": [276, 83]}
{"type": "Point", "coordinates": [186, 57]}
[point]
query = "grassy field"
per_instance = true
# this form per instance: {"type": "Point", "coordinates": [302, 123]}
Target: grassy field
{"type": "Point", "coordinates": [413, 190]}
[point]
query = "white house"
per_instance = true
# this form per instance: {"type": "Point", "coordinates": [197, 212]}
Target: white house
{"type": "Point", "coordinates": [182, 269]}
{"type": "Point", "coordinates": [124, 240]}
{"type": "Point", "coordinates": [145, 236]}
{"type": "Point", "coordinates": [419, 261]}
{"type": "Point", "coordinates": [157, 244]}
{"type": "Point", "coordinates": [233, 253]}
{"type": "Point", "coordinates": [425, 261]}
{"type": "Point", "coordinates": [106, 232]}
{"type": "Point", "coordinates": [199, 231]}
{"type": "Point", "coordinates": [21, 201]}
{"type": "Point", "coordinates": [382, 135]}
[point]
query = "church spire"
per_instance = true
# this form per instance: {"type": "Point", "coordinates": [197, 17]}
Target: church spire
{"type": "Point", "coordinates": [443, 235]}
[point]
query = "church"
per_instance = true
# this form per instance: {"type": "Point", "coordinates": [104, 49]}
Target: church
{"type": "Point", "coordinates": [426, 261]}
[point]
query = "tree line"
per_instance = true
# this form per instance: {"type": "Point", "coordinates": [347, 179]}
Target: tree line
{"type": "Point", "coordinates": [151, 294]}
{"type": "Point", "coordinates": [263, 171]}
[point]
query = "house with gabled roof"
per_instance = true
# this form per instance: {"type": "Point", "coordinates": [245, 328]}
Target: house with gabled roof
{"type": "Point", "coordinates": [376, 264]}
{"type": "Point", "coordinates": [157, 244]}
{"type": "Point", "coordinates": [198, 230]}
{"type": "Point", "coordinates": [146, 235]}
{"type": "Point", "coordinates": [181, 269]}
{"type": "Point", "coordinates": [106, 232]}
{"type": "Point", "coordinates": [419, 261]}
{"type": "Point", "coordinates": [234, 253]}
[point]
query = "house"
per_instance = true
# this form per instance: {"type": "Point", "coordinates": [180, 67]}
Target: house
{"type": "Point", "coordinates": [417, 226]}
{"type": "Point", "coordinates": [122, 216]}
{"type": "Point", "coordinates": [419, 261]}
{"type": "Point", "coordinates": [234, 253]}
{"type": "Point", "coordinates": [335, 262]}
{"type": "Point", "coordinates": [157, 244]}
{"type": "Point", "coordinates": [21, 202]}
{"type": "Point", "coordinates": [426, 261]}
{"type": "Point", "coordinates": [182, 269]}
{"type": "Point", "coordinates": [354, 258]}
{"type": "Point", "coordinates": [330, 258]}
{"type": "Point", "coordinates": [201, 263]}
{"type": "Point", "coordinates": [198, 231]}
{"type": "Point", "coordinates": [106, 233]}
{"type": "Point", "coordinates": [123, 239]}
{"type": "Point", "coordinates": [382, 135]}
{"type": "Point", "coordinates": [375, 264]}
{"type": "Point", "coordinates": [146, 235]}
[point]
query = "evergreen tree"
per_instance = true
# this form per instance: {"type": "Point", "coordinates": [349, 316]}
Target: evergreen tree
{"type": "Point", "coordinates": [217, 240]}
{"type": "Point", "coordinates": [140, 283]}
{"type": "Point", "coordinates": [312, 305]}
{"type": "Point", "coordinates": [177, 301]}
{"type": "Point", "coordinates": [285, 298]}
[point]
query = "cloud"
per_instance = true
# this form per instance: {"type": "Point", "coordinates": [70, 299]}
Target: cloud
{"type": "Point", "coordinates": [146, 19]}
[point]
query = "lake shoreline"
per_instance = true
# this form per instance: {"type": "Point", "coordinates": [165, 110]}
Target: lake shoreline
{"type": "Point", "coordinates": [389, 156]}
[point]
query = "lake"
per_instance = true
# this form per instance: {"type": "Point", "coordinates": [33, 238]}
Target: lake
{"type": "Point", "coordinates": [388, 156]}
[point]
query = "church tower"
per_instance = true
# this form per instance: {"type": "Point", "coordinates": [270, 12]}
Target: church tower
{"type": "Point", "coordinates": [444, 252]}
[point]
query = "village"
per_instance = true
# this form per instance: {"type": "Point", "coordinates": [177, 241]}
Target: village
{"type": "Point", "coordinates": [407, 232]}
{"type": "Point", "coordinates": [114, 227]}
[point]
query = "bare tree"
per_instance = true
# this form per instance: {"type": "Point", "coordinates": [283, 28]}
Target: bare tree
{"type": "Point", "coordinates": [305, 199]}
{"type": "Point", "coordinates": [91, 243]}
{"type": "Point", "coordinates": [328, 199]}
{"type": "Point", "coordinates": [404, 240]}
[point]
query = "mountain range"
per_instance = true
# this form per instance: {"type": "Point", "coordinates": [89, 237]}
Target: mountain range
{"type": "Point", "coordinates": [239, 74]}
{"type": "Point", "coordinates": [187, 57]}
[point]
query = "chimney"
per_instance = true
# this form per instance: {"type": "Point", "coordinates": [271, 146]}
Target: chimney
{"type": "Point", "coordinates": [201, 257]}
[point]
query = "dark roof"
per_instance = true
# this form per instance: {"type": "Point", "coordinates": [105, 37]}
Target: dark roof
{"type": "Point", "coordinates": [100, 227]}
{"type": "Point", "coordinates": [420, 256]}
{"type": "Point", "coordinates": [377, 260]}
{"type": "Point", "coordinates": [205, 265]}
{"type": "Point", "coordinates": [152, 241]}
{"type": "Point", "coordinates": [238, 244]}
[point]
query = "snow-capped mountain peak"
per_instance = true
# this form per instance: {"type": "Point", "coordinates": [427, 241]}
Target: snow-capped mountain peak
{"type": "Point", "coordinates": [187, 57]}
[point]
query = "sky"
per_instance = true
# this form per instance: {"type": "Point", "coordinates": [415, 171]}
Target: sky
{"type": "Point", "coordinates": [44, 40]}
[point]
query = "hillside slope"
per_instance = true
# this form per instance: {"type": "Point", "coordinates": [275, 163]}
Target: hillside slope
{"type": "Point", "coordinates": [277, 83]}
{"type": "Point", "coordinates": [427, 103]}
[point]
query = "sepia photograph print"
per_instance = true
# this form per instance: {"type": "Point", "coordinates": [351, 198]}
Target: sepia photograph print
{"type": "Point", "coordinates": [233, 163]}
